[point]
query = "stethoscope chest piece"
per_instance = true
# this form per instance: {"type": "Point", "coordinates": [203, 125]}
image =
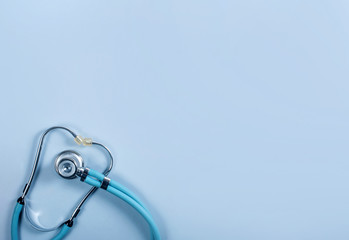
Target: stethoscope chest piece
{"type": "Point", "coordinates": [67, 163]}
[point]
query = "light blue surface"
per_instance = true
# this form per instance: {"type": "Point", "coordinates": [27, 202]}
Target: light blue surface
{"type": "Point", "coordinates": [16, 219]}
{"type": "Point", "coordinates": [230, 119]}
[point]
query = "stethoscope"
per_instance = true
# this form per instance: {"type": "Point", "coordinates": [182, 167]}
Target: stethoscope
{"type": "Point", "coordinates": [70, 164]}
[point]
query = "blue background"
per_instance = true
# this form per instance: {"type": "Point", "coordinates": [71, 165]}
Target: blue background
{"type": "Point", "coordinates": [229, 118]}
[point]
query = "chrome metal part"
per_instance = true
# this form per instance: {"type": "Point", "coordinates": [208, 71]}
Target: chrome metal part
{"type": "Point", "coordinates": [67, 163]}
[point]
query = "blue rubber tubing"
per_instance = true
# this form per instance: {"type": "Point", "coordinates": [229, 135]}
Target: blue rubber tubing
{"type": "Point", "coordinates": [116, 185]}
{"type": "Point", "coordinates": [15, 221]}
{"type": "Point", "coordinates": [139, 208]}
{"type": "Point", "coordinates": [64, 231]}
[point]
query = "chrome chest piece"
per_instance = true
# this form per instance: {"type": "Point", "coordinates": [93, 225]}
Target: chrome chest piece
{"type": "Point", "coordinates": [67, 164]}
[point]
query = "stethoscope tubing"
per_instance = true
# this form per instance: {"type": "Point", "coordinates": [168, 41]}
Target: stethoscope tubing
{"type": "Point", "coordinates": [95, 179]}
{"type": "Point", "coordinates": [99, 176]}
{"type": "Point", "coordinates": [62, 233]}
{"type": "Point", "coordinates": [15, 220]}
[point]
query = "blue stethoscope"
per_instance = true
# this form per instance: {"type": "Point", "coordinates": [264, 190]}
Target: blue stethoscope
{"type": "Point", "coordinates": [69, 164]}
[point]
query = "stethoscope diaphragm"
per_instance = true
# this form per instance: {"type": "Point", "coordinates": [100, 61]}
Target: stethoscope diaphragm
{"type": "Point", "coordinates": [67, 163]}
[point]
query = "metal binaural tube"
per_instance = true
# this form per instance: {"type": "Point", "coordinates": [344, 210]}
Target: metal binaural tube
{"type": "Point", "coordinates": [37, 156]}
